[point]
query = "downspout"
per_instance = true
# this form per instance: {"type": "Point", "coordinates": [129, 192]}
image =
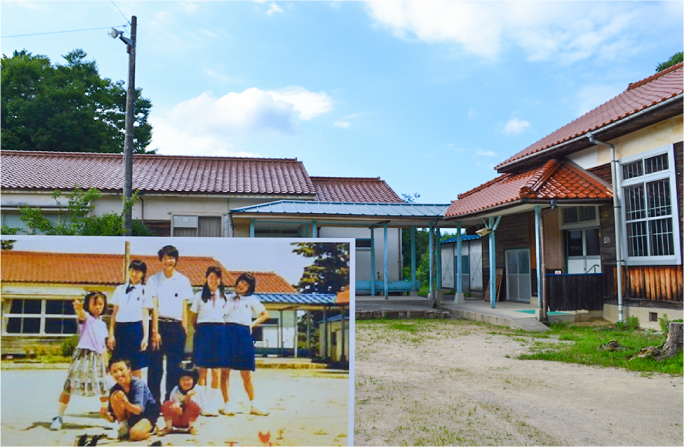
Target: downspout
{"type": "Point", "coordinates": [617, 215]}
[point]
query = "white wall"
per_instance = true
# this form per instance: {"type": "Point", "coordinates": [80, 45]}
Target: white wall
{"type": "Point", "coordinates": [363, 259]}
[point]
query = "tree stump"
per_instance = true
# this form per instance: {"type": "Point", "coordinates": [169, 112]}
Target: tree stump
{"type": "Point", "coordinates": [673, 344]}
{"type": "Point", "coordinates": [671, 347]}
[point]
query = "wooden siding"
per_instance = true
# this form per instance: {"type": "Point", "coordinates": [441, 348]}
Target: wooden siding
{"type": "Point", "coordinates": [655, 283]}
{"type": "Point", "coordinates": [554, 248]}
{"type": "Point", "coordinates": [603, 172]}
{"type": "Point", "coordinates": [159, 227]}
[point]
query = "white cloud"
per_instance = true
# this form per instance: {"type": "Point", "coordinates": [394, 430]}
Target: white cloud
{"type": "Point", "coordinates": [342, 124]}
{"type": "Point", "coordinates": [515, 126]}
{"type": "Point", "coordinates": [207, 125]}
{"type": "Point", "coordinates": [307, 104]}
{"type": "Point", "coordinates": [484, 153]}
{"type": "Point", "coordinates": [274, 9]}
{"type": "Point", "coordinates": [564, 32]}
{"type": "Point", "coordinates": [592, 96]}
{"type": "Point", "coordinates": [472, 113]}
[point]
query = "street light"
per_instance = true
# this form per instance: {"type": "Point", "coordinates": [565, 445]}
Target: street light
{"type": "Point", "coordinates": [130, 113]}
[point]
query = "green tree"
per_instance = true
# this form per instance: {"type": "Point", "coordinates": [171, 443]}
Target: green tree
{"type": "Point", "coordinates": [77, 218]}
{"type": "Point", "coordinates": [329, 272]}
{"type": "Point", "coordinates": [66, 108]}
{"type": "Point", "coordinates": [674, 60]}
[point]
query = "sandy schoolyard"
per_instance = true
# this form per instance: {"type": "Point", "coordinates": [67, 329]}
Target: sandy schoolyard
{"type": "Point", "coordinates": [454, 382]}
{"type": "Point", "coordinates": [307, 407]}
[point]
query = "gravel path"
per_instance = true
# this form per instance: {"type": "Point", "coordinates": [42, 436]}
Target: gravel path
{"type": "Point", "coordinates": [454, 382]}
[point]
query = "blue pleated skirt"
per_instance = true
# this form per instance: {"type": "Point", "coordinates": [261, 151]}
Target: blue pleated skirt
{"type": "Point", "coordinates": [240, 347]}
{"type": "Point", "coordinates": [210, 346]}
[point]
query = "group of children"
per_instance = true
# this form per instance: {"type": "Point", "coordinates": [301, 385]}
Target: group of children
{"type": "Point", "coordinates": [222, 341]}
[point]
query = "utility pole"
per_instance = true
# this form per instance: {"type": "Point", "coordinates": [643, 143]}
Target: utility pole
{"type": "Point", "coordinates": [130, 129]}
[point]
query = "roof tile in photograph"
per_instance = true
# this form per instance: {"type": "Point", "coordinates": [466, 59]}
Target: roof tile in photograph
{"type": "Point", "coordinates": [155, 173]}
{"type": "Point", "coordinates": [554, 180]}
{"type": "Point", "coordinates": [347, 209]}
{"type": "Point", "coordinates": [351, 189]}
{"type": "Point", "coordinates": [107, 269]}
{"type": "Point", "coordinates": [638, 96]}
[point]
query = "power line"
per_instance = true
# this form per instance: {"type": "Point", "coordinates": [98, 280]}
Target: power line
{"type": "Point", "coordinates": [57, 32]}
{"type": "Point", "coordinates": [122, 14]}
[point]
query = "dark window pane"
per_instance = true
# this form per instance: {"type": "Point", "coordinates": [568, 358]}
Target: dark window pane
{"type": "Point", "coordinates": [587, 213]}
{"type": "Point", "coordinates": [258, 333]}
{"type": "Point", "coordinates": [14, 325]}
{"type": "Point", "coordinates": [592, 242]}
{"type": "Point", "coordinates": [657, 163]}
{"type": "Point", "coordinates": [17, 307]}
{"type": "Point", "coordinates": [632, 170]}
{"type": "Point", "coordinates": [634, 202]}
{"type": "Point", "coordinates": [574, 243]}
{"type": "Point", "coordinates": [31, 326]}
{"type": "Point", "coordinates": [70, 326]}
{"type": "Point", "coordinates": [570, 215]}
{"type": "Point", "coordinates": [662, 237]}
{"type": "Point", "coordinates": [465, 265]}
{"type": "Point", "coordinates": [59, 307]}
{"type": "Point", "coordinates": [636, 239]}
{"type": "Point", "coordinates": [363, 243]}
{"type": "Point", "coordinates": [658, 198]}
{"type": "Point", "coordinates": [32, 306]}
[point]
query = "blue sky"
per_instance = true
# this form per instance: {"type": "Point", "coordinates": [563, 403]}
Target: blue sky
{"type": "Point", "coordinates": [429, 96]}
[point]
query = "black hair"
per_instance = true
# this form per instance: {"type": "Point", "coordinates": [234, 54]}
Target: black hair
{"type": "Point", "coordinates": [250, 280]}
{"type": "Point", "coordinates": [168, 250]}
{"type": "Point", "coordinates": [206, 293]}
{"type": "Point", "coordinates": [190, 372]}
{"type": "Point", "coordinates": [94, 295]}
{"type": "Point", "coordinates": [140, 266]}
{"type": "Point", "coordinates": [114, 360]}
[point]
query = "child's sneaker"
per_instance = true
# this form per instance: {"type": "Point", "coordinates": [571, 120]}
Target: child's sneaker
{"type": "Point", "coordinates": [228, 409]}
{"type": "Point", "coordinates": [56, 423]}
{"type": "Point", "coordinates": [256, 412]}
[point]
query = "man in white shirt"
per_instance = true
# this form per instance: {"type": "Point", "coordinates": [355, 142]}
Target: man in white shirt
{"type": "Point", "coordinates": [170, 291]}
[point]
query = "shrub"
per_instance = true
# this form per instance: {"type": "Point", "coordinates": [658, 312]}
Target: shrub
{"type": "Point", "coordinates": [68, 345]}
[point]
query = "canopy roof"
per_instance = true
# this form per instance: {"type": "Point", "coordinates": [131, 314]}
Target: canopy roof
{"type": "Point", "coordinates": [330, 213]}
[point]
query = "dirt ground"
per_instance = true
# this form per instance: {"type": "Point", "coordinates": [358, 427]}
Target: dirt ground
{"type": "Point", "coordinates": [307, 407]}
{"type": "Point", "coordinates": [459, 383]}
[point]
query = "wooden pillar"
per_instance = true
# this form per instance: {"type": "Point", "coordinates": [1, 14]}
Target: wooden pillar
{"type": "Point", "coordinates": [251, 227]}
{"type": "Point", "coordinates": [431, 257]}
{"type": "Point", "coordinates": [372, 254]}
{"type": "Point", "coordinates": [538, 244]}
{"type": "Point", "coordinates": [385, 262]}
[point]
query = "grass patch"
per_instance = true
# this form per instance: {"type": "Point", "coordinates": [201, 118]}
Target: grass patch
{"type": "Point", "coordinates": [585, 348]}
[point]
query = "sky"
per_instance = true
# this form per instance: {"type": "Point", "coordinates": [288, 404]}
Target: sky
{"type": "Point", "coordinates": [241, 254]}
{"type": "Point", "coordinates": [427, 95]}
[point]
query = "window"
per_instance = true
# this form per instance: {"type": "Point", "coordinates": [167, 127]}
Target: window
{"type": "Point", "coordinates": [578, 216]}
{"type": "Point", "coordinates": [193, 226]}
{"type": "Point", "coordinates": [650, 208]}
{"type": "Point", "coordinates": [39, 317]}
{"type": "Point", "coordinates": [363, 244]}
{"type": "Point", "coordinates": [276, 233]}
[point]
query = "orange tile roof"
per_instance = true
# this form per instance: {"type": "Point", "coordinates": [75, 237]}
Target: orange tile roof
{"type": "Point", "coordinates": [107, 269]}
{"type": "Point", "coordinates": [155, 173]}
{"type": "Point", "coordinates": [556, 179]}
{"type": "Point", "coordinates": [638, 96]}
{"type": "Point", "coordinates": [342, 296]}
{"type": "Point", "coordinates": [354, 189]}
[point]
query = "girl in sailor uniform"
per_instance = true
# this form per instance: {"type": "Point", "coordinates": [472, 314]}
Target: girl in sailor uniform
{"type": "Point", "coordinates": [206, 316]}
{"type": "Point", "coordinates": [128, 328]}
{"type": "Point", "coordinates": [239, 310]}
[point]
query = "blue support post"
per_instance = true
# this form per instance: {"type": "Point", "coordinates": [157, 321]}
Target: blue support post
{"type": "Point", "coordinates": [385, 262]}
{"type": "Point", "coordinates": [314, 230]}
{"type": "Point", "coordinates": [372, 261]}
{"type": "Point", "coordinates": [537, 246]}
{"type": "Point", "coordinates": [431, 257]}
{"type": "Point", "coordinates": [251, 227]}
{"type": "Point", "coordinates": [413, 259]}
{"type": "Point", "coordinates": [459, 264]}
{"type": "Point", "coordinates": [492, 260]}
{"type": "Point", "coordinates": [438, 255]}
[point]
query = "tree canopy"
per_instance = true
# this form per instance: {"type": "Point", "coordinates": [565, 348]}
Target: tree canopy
{"type": "Point", "coordinates": [66, 108]}
{"type": "Point", "coordinates": [674, 60]}
{"type": "Point", "coordinates": [329, 272]}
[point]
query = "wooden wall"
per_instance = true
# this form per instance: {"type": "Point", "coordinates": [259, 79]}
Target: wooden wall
{"type": "Point", "coordinates": [656, 283]}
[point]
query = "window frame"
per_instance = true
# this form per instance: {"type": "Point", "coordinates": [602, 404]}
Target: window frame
{"type": "Point", "coordinates": [42, 317]}
{"type": "Point", "coordinates": [595, 222]}
{"type": "Point", "coordinates": [670, 175]}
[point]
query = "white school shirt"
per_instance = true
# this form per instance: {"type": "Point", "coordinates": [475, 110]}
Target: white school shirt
{"type": "Point", "coordinates": [211, 311]}
{"type": "Point", "coordinates": [131, 304]}
{"type": "Point", "coordinates": [240, 309]}
{"type": "Point", "coordinates": [171, 293]}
